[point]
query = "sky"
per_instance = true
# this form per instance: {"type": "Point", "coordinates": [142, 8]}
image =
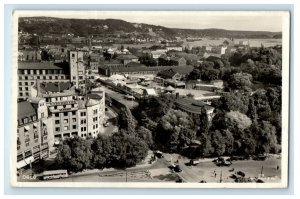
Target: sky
{"type": "Point", "coordinates": [230, 20]}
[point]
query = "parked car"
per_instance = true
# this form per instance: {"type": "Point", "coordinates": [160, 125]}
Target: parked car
{"type": "Point", "coordinates": [177, 168]}
{"type": "Point", "coordinates": [194, 161]}
{"type": "Point", "coordinates": [159, 154]}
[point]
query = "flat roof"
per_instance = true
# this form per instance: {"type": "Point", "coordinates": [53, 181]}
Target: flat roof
{"type": "Point", "coordinates": [38, 65]}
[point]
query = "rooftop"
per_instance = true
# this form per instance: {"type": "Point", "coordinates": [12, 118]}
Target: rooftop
{"type": "Point", "coordinates": [55, 87]}
{"type": "Point", "coordinates": [191, 105]}
{"type": "Point", "coordinates": [37, 65]}
{"type": "Point", "coordinates": [25, 109]}
{"type": "Point", "coordinates": [127, 57]}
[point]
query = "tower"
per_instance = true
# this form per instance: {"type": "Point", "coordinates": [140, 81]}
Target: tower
{"type": "Point", "coordinates": [77, 68]}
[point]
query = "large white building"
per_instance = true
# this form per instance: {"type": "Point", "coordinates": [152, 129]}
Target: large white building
{"type": "Point", "coordinates": [72, 114]}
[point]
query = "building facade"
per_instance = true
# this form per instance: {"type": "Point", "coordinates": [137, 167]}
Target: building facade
{"type": "Point", "coordinates": [34, 133]}
{"type": "Point", "coordinates": [77, 67]}
{"type": "Point", "coordinates": [29, 73]}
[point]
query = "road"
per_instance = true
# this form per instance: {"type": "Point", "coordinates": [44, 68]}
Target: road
{"type": "Point", "coordinates": [111, 117]}
{"type": "Point", "coordinates": [120, 97]}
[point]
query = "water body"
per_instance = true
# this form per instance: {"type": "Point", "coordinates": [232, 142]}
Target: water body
{"type": "Point", "coordinates": [253, 42]}
{"type": "Point", "coordinates": [211, 42]}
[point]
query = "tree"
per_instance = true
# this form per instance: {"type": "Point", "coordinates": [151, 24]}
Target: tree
{"type": "Point", "coordinates": [75, 154]}
{"type": "Point", "coordinates": [240, 81]}
{"type": "Point", "coordinates": [266, 138]}
{"type": "Point", "coordinates": [239, 120]}
{"type": "Point", "coordinates": [145, 135]}
{"type": "Point", "coordinates": [203, 121]}
{"type": "Point", "coordinates": [175, 130]}
{"type": "Point", "coordinates": [218, 143]}
{"type": "Point", "coordinates": [125, 120]}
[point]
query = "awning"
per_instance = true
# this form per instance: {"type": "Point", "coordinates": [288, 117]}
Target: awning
{"type": "Point", "coordinates": [27, 128]}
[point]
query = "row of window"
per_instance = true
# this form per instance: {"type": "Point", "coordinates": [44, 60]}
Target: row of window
{"type": "Point", "coordinates": [65, 128]}
{"type": "Point", "coordinates": [27, 120]}
{"type": "Point", "coordinates": [25, 83]}
{"type": "Point", "coordinates": [39, 72]}
{"type": "Point", "coordinates": [65, 121]}
{"type": "Point", "coordinates": [21, 94]}
{"type": "Point", "coordinates": [42, 77]}
{"type": "Point", "coordinates": [65, 113]}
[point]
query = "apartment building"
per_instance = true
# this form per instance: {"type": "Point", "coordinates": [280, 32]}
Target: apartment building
{"type": "Point", "coordinates": [29, 73]}
{"type": "Point", "coordinates": [34, 132]}
{"type": "Point", "coordinates": [72, 114]}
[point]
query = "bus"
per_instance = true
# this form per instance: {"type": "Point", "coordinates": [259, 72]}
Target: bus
{"type": "Point", "coordinates": [54, 174]}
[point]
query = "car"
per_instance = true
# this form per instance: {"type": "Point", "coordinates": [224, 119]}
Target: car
{"type": "Point", "coordinates": [106, 124]}
{"type": "Point", "coordinates": [159, 154]}
{"type": "Point", "coordinates": [177, 168]}
{"type": "Point", "coordinates": [194, 162]}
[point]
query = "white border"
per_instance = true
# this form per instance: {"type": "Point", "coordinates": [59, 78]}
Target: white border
{"type": "Point", "coordinates": [285, 105]}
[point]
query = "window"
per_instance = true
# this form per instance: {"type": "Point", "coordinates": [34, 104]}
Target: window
{"type": "Point", "coordinates": [33, 118]}
{"type": "Point", "coordinates": [65, 113]}
{"type": "Point", "coordinates": [20, 83]}
{"type": "Point", "coordinates": [83, 114]}
{"type": "Point", "coordinates": [56, 121]}
{"type": "Point", "coordinates": [95, 111]}
{"type": "Point", "coordinates": [44, 77]}
{"type": "Point", "coordinates": [74, 77]}
{"type": "Point", "coordinates": [26, 83]}
{"type": "Point", "coordinates": [32, 83]}
{"type": "Point", "coordinates": [25, 120]}
{"type": "Point", "coordinates": [57, 129]}
{"type": "Point", "coordinates": [26, 144]}
{"type": "Point", "coordinates": [66, 128]}
{"type": "Point", "coordinates": [38, 77]}
{"type": "Point", "coordinates": [50, 77]}
{"type": "Point", "coordinates": [20, 88]}
{"type": "Point", "coordinates": [56, 114]}
{"type": "Point", "coordinates": [21, 94]}
{"type": "Point", "coordinates": [74, 120]}
{"type": "Point", "coordinates": [74, 127]}
{"type": "Point", "coordinates": [26, 88]}
{"type": "Point", "coordinates": [26, 78]}
{"type": "Point", "coordinates": [42, 115]}
{"type": "Point", "coordinates": [73, 112]}
{"type": "Point", "coordinates": [66, 121]}
{"type": "Point", "coordinates": [73, 55]}
{"type": "Point", "coordinates": [56, 77]}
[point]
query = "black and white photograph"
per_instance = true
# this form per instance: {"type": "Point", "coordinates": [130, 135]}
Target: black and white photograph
{"type": "Point", "coordinates": [175, 99]}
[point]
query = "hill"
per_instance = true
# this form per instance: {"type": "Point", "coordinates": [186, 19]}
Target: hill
{"type": "Point", "coordinates": [81, 27]}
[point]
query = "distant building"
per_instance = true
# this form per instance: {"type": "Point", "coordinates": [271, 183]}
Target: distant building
{"type": "Point", "coordinates": [175, 48]}
{"type": "Point", "coordinates": [169, 74]}
{"type": "Point", "coordinates": [29, 55]}
{"type": "Point", "coordinates": [156, 54]}
{"type": "Point", "coordinates": [125, 59]}
{"type": "Point", "coordinates": [193, 107]}
{"type": "Point", "coordinates": [34, 133]}
{"type": "Point", "coordinates": [178, 61]}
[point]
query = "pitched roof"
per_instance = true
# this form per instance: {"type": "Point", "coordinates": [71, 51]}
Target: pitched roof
{"type": "Point", "coordinates": [169, 73]}
{"type": "Point", "coordinates": [55, 87]}
{"type": "Point", "coordinates": [25, 109]}
{"type": "Point", "coordinates": [126, 57]}
{"type": "Point", "coordinates": [37, 65]}
{"type": "Point", "coordinates": [135, 64]}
